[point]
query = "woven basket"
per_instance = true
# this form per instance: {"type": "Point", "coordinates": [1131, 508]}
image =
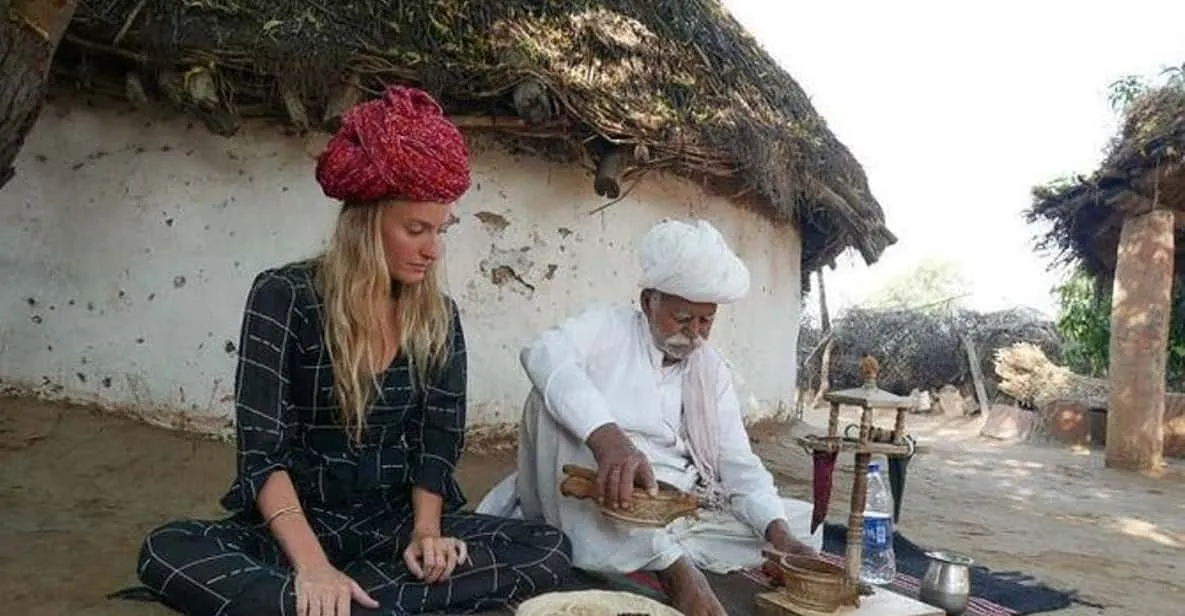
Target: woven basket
{"type": "Point", "coordinates": [812, 584]}
{"type": "Point", "coordinates": [593, 603]}
{"type": "Point", "coordinates": [648, 511]}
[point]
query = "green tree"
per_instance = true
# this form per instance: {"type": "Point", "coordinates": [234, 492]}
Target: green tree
{"type": "Point", "coordinates": [1125, 90]}
{"type": "Point", "coordinates": [933, 285]}
{"type": "Point", "coordinates": [1084, 323]}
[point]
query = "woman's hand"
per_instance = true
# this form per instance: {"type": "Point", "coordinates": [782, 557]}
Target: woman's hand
{"type": "Point", "coordinates": [432, 558]}
{"type": "Point", "coordinates": [322, 590]}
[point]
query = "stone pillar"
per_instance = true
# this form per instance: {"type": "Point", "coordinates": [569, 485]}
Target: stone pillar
{"type": "Point", "coordinates": [1140, 311]}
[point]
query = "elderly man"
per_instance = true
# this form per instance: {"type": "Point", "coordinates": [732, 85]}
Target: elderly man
{"type": "Point", "coordinates": [637, 394]}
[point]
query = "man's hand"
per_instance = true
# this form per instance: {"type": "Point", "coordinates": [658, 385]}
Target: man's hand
{"type": "Point", "coordinates": [779, 536]}
{"type": "Point", "coordinates": [620, 466]}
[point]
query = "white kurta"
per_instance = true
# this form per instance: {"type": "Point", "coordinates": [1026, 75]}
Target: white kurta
{"type": "Point", "coordinates": [601, 367]}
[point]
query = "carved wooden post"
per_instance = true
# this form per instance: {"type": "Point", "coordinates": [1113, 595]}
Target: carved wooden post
{"type": "Point", "coordinates": [1140, 310]}
{"type": "Point", "coordinates": [610, 165]}
{"type": "Point", "coordinates": [30, 31]}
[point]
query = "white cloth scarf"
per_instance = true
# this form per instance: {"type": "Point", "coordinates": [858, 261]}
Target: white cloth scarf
{"type": "Point", "coordinates": [701, 422]}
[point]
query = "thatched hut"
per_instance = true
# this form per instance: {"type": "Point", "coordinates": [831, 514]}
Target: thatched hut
{"type": "Point", "coordinates": [1123, 224]}
{"type": "Point", "coordinates": [628, 111]}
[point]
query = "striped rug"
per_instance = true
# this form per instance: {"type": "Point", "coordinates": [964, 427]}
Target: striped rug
{"type": "Point", "coordinates": [903, 584]}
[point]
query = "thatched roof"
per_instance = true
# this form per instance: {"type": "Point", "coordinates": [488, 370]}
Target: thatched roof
{"type": "Point", "coordinates": [679, 86]}
{"type": "Point", "coordinates": [1144, 168]}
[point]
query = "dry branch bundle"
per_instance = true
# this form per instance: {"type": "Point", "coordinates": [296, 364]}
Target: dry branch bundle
{"type": "Point", "coordinates": [922, 350]}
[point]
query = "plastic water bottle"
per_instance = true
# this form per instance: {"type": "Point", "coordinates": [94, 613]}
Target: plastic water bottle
{"type": "Point", "coordinates": [879, 564]}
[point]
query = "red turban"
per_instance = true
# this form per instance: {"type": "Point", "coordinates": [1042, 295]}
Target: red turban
{"type": "Point", "coordinates": [399, 146]}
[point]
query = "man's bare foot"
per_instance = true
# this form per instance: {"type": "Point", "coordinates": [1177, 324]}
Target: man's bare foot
{"type": "Point", "coordinates": [688, 589]}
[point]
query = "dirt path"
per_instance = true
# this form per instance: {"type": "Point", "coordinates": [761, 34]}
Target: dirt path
{"type": "Point", "coordinates": [78, 491]}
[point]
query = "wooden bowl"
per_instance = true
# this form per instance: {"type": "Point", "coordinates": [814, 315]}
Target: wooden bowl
{"type": "Point", "coordinates": [812, 584]}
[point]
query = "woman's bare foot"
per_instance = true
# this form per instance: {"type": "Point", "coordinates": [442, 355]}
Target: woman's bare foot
{"type": "Point", "coordinates": [688, 589]}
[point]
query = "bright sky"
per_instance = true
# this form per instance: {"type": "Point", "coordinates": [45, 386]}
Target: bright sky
{"type": "Point", "coordinates": [956, 109]}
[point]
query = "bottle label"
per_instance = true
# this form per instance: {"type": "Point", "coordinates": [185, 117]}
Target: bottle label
{"type": "Point", "coordinates": [878, 533]}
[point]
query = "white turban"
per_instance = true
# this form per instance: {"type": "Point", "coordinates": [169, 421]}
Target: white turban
{"type": "Point", "coordinates": [692, 261]}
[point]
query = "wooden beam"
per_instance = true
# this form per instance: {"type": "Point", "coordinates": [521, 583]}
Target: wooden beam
{"type": "Point", "coordinates": [1140, 311]}
{"type": "Point", "coordinates": [532, 102]}
{"type": "Point", "coordinates": [976, 374]}
{"type": "Point", "coordinates": [133, 89]}
{"type": "Point", "coordinates": [608, 179]}
{"type": "Point", "coordinates": [293, 99]}
{"type": "Point", "coordinates": [828, 342]}
{"type": "Point", "coordinates": [1160, 181]}
{"type": "Point", "coordinates": [201, 87]}
{"type": "Point", "coordinates": [47, 18]}
{"type": "Point", "coordinates": [1129, 202]}
{"type": "Point", "coordinates": [30, 31]}
{"type": "Point", "coordinates": [345, 96]}
{"type": "Point", "coordinates": [487, 122]}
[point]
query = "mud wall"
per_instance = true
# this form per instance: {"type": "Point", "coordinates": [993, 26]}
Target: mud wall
{"type": "Point", "coordinates": [128, 242]}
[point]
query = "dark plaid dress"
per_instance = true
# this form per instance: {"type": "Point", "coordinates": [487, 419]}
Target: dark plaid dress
{"type": "Point", "coordinates": [357, 498]}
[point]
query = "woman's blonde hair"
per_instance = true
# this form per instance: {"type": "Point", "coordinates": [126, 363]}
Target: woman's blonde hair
{"type": "Point", "coordinates": [355, 284]}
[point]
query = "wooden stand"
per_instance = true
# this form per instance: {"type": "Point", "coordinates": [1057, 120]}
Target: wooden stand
{"type": "Point", "coordinates": [870, 398]}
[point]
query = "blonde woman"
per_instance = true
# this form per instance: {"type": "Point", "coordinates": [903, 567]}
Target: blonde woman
{"type": "Point", "coordinates": [350, 407]}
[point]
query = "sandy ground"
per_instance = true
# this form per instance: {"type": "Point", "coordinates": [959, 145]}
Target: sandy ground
{"type": "Point", "coordinates": [79, 489]}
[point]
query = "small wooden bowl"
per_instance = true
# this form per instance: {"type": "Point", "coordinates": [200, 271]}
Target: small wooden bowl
{"type": "Point", "coordinates": [811, 583]}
